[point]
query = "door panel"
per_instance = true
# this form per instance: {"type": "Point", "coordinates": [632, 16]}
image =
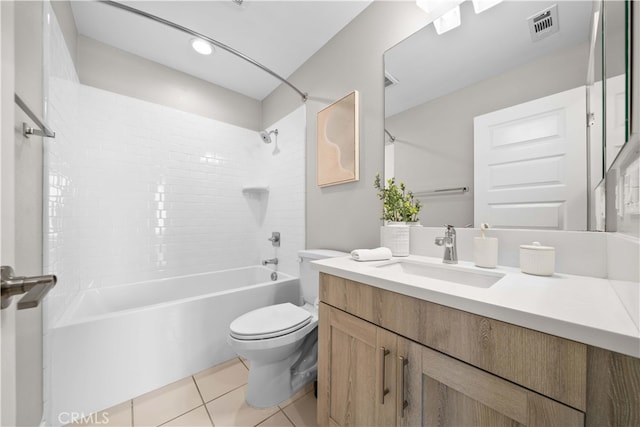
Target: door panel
{"type": "Point", "coordinates": [347, 377]}
{"type": "Point", "coordinates": [410, 388]}
{"type": "Point", "coordinates": [445, 406]}
{"type": "Point", "coordinates": [530, 164]}
{"type": "Point", "coordinates": [358, 368]}
{"type": "Point", "coordinates": [455, 394]}
{"type": "Point", "coordinates": [7, 238]}
{"type": "Point", "coordinates": [616, 116]}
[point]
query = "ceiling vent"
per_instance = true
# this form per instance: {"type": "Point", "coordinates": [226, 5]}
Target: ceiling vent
{"type": "Point", "coordinates": [544, 23]}
{"type": "Point", "coordinates": [389, 80]}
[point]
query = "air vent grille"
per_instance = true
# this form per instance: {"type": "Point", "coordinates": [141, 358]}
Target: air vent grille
{"type": "Point", "coordinates": [544, 23]}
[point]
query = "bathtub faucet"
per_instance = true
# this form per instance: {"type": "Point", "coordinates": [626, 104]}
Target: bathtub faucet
{"type": "Point", "coordinates": [273, 261]}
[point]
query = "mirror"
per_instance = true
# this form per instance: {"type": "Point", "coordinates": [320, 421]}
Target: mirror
{"type": "Point", "coordinates": [463, 111]}
{"type": "Point", "coordinates": [614, 69]}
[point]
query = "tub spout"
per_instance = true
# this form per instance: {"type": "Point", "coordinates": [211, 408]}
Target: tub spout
{"type": "Point", "coordinates": [273, 261]}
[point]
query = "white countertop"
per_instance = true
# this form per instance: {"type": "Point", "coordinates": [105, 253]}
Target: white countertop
{"type": "Point", "coordinates": [583, 309]}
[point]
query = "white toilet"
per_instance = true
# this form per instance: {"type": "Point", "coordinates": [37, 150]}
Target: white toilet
{"type": "Point", "coordinates": [281, 341]}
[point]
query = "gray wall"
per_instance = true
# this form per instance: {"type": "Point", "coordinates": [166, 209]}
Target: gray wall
{"type": "Point", "coordinates": [117, 71]}
{"type": "Point", "coordinates": [121, 72]}
{"type": "Point", "coordinates": [434, 145]}
{"type": "Point", "coordinates": [67, 22]}
{"type": "Point", "coordinates": [347, 216]}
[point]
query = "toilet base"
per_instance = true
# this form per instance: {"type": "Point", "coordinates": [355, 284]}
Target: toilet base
{"type": "Point", "coordinates": [271, 383]}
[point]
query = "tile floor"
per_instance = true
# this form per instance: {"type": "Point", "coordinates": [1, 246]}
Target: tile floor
{"type": "Point", "coordinates": [214, 397]}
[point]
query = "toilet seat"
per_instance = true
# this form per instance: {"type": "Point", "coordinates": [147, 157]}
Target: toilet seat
{"type": "Point", "coordinates": [270, 322]}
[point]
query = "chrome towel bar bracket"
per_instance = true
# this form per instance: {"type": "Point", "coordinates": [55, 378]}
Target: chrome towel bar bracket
{"type": "Point", "coordinates": [27, 131]}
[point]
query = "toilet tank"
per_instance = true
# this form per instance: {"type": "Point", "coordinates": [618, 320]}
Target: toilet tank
{"type": "Point", "coordinates": [309, 278]}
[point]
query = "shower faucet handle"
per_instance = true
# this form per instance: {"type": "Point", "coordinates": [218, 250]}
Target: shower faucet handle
{"type": "Point", "coordinates": [275, 238]}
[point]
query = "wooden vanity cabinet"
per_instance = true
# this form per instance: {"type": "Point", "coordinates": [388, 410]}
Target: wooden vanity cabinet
{"type": "Point", "coordinates": [377, 368]}
{"type": "Point", "coordinates": [369, 376]}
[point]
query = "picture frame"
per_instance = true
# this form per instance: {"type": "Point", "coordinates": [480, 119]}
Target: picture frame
{"type": "Point", "coordinates": [337, 142]}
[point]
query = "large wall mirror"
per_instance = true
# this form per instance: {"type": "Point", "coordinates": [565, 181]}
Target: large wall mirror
{"type": "Point", "coordinates": [487, 122]}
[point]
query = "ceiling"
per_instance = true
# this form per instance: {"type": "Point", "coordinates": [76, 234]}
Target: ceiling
{"type": "Point", "coordinates": [281, 35]}
{"type": "Point", "coordinates": [427, 65]}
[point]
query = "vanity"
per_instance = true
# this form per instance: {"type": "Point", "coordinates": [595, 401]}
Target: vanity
{"type": "Point", "coordinates": [413, 342]}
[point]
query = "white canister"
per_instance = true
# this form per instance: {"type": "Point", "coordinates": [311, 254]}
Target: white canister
{"type": "Point", "coordinates": [396, 238]}
{"type": "Point", "coordinates": [537, 259]}
{"type": "Point", "coordinates": [485, 252]}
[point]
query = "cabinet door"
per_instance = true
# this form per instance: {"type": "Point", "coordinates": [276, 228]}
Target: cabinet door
{"type": "Point", "coordinates": [457, 394]}
{"type": "Point", "coordinates": [409, 383]}
{"type": "Point", "coordinates": [356, 379]}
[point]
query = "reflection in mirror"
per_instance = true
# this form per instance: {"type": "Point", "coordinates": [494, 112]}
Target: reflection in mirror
{"type": "Point", "coordinates": [486, 82]}
{"type": "Point", "coordinates": [595, 112]}
{"type": "Point", "coordinates": [615, 82]}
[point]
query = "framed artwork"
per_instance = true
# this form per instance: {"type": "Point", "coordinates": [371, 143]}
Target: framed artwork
{"type": "Point", "coordinates": [337, 142]}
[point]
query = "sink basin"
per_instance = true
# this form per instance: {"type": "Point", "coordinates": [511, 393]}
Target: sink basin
{"type": "Point", "coordinates": [478, 279]}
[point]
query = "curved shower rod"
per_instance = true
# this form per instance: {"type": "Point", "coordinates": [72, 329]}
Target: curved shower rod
{"type": "Point", "coordinates": [209, 39]}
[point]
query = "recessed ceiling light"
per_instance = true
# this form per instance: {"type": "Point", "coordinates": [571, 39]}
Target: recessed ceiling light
{"type": "Point", "coordinates": [201, 46]}
{"type": "Point", "coordinates": [448, 21]}
{"type": "Point", "coordinates": [480, 6]}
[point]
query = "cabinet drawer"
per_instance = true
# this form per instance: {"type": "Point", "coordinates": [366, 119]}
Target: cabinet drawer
{"type": "Point", "coordinates": [549, 365]}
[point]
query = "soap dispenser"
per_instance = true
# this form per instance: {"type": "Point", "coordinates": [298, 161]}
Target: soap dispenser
{"type": "Point", "coordinates": [485, 249]}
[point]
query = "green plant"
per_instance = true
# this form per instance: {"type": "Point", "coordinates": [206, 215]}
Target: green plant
{"type": "Point", "coordinates": [398, 204]}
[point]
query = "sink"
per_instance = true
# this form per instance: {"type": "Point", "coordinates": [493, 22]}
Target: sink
{"type": "Point", "coordinates": [446, 273]}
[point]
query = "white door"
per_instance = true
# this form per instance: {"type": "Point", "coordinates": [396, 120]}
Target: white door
{"type": "Point", "coordinates": [616, 116]}
{"type": "Point", "coordinates": [8, 402]}
{"type": "Point", "coordinates": [530, 164]}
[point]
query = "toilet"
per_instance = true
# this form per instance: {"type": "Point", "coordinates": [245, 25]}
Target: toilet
{"type": "Point", "coordinates": [281, 341]}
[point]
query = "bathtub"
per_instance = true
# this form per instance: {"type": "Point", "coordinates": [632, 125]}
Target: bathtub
{"type": "Point", "coordinates": [116, 343]}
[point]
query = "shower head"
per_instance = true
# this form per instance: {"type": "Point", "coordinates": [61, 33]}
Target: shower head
{"type": "Point", "coordinates": [266, 136]}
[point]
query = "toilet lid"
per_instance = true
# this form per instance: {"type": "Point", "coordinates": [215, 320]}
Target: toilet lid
{"type": "Point", "coordinates": [269, 322]}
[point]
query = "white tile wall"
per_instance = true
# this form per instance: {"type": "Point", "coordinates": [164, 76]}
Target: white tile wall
{"type": "Point", "coordinates": [285, 170]}
{"type": "Point", "coordinates": [138, 191]}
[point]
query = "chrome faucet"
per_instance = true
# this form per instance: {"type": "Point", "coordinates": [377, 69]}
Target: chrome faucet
{"type": "Point", "coordinates": [449, 243]}
{"type": "Point", "coordinates": [273, 261]}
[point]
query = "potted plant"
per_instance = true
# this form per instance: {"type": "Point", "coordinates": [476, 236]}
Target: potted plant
{"type": "Point", "coordinates": [399, 207]}
{"type": "Point", "coordinates": [398, 204]}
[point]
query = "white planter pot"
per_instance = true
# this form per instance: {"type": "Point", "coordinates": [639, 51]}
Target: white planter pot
{"type": "Point", "coordinates": [395, 236]}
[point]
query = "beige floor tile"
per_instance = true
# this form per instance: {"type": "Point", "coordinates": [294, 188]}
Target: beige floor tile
{"type": "Point", "coordinates": [116, 416]}
{"type": "Point", "coordinates": [303, 391]}
{"type": "Point", "coordinates": [166, 403]}
{"type": "Point", "coordinates": [277, 420]}
{"type": "Point", "coordinates": [232, 410]}
{"type": "Point", "coordinates": [303, 411]}
{"type": "Point", "coordinates": [221, 379]}
{"type": "Point", "coordinates": [196, 418]}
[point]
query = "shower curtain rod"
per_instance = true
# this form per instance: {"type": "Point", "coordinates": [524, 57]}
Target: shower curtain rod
{"type": "Point", "coordinates": [391, 137]}
{"type": "Point", "coordinates": [209, 39]}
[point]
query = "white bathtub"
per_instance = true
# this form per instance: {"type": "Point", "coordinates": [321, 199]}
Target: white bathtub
{"type": "Point", "coordinates": [116, 343]}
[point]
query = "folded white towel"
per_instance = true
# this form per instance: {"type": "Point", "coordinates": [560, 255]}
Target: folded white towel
{"type": "Point", "coordinates": [377, 254]}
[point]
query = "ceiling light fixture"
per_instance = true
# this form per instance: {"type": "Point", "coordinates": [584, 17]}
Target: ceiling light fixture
{"type": "Point", "coordinates": [201, 46]}
{"type": "Point", "coordinates": [480, 6]}
{"type": "Point", "coordinates": [448, 21]}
